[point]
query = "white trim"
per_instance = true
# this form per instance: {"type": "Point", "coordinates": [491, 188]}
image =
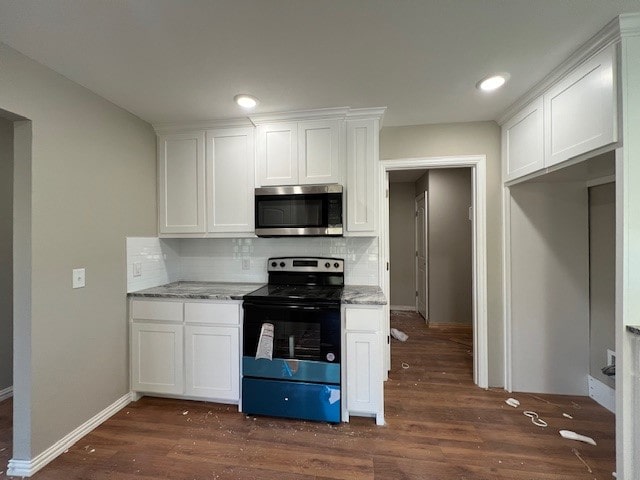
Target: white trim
{"type": "Point", "coordinates": [403, 308]}
{"type": "Point", "coordinates": [601, 181]}
{"type": "Point", "coordinates": [6, 393]}
{"type": "Point", "coordinates": [316, 114]}
{"type": "Point", "coordinates": [168, 128]}
{"type": "Point", "coordinates": [26, 468]}
{"type": "Point", "coordinates": [506, 286]}
{"type": "Point", "coordinates": [602, 393]}
{"type": "Point", "coordinates": [478, 165]}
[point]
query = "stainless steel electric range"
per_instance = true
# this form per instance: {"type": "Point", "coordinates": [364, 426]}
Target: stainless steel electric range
{"type": "Point", "coordinates": [292, 341]}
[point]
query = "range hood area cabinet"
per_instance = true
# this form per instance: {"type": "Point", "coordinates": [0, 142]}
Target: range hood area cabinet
{"type": "Point", "coordinates": [206, 183]}
{"type": "Point", "coordinates": [207, 176]}
{"type": "Point", "coordinates": [576, 115]}
{"type": "Point", "coordinates": [300, 153]}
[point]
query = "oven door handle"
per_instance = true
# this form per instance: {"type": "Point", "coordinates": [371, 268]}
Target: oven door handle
{"type": "Point", "coordinates": [286, 306]}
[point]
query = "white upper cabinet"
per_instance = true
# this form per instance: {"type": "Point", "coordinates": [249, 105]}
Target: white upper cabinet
{"type": "Point", "coordinates": [362, 177]}
{"type": "Point", "coordinates": [181, 183]}
{"type": "Point", "coordinates": [277, 154]}
{"type": "Point", "coordinates": [522, 142]}
{"type": "Point", "coordinates": [230, 180]}
{"type": "Point", "coordinates": [580, 110]}
{"type": "Point", "coordinates": [319, 152]}
{"type": "Point", "coordinates": [293, 153]}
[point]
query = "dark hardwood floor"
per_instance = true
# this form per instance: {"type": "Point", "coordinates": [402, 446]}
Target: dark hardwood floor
{"type": "Point", "coordinates": [439, 426]}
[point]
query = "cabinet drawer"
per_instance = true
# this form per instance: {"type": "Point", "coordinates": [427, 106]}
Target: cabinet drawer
{"type": "Point", "coordinates": [367, 319]}
{"type": "Point", "coordinates": [215, 313]}
{"type": "Point", "coordinates": [155, 310]}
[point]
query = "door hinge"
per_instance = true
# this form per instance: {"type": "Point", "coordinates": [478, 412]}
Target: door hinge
{"type": "Point", "coordinates": [387, 266]}
{"type": "Point", "coordinates": [388, 340]}
{"type": "Point", "coordinates": [416, 293]}
{"type": "Point", "coordinates": [416, 253]}
{"type": "Point", "coordinates": [471, 213]}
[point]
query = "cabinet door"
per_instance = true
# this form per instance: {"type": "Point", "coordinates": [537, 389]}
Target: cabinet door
{"type": "Point", "coordinates": [364, 372]}
{"type": "Point", "coordinates": [213, 362]}
{"type": "Point", "coordinates": [319, 152]}
{"type": "Point", "coordinates": [581, 110]}
{"type": "Point", "coordinates": [230, 180]}
{"type": "Point", "coordinates": [362, 165]}
{"type": "Point", "coordinates": [523, 142]}
{"type": "Point", "coordinates": [181, 183]}
{"type": "Point", "coordinates": [156, 358]}
{"type": "Point", "coordinates": [277, 154]}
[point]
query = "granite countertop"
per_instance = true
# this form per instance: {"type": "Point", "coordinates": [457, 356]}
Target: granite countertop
{"type": "Point", "coordinates": [633, 329]}
{"type": "Point", "coordinates": [363, 295]}
{"type": "Point", "coordinates": [352, 294]}
{"type": "Point", "coordinates": [201, 290]}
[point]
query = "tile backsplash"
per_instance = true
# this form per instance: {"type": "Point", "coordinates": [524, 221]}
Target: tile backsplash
{"type": "Point", "coordinates": [223, 259]}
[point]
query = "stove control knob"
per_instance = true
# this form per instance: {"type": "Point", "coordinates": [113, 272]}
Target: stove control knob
{"type": "Point", "coordinates": [327, 265]}
{"type": "Point", "coordinates": [273, 264]}
{"type": "Point", "coordinates": [337, 265]}
{"type": "Point", "coordinates": [282, 264]}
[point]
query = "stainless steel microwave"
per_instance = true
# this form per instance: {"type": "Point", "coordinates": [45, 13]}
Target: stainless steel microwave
{"type": "Point", "coordinates": [299, 210]}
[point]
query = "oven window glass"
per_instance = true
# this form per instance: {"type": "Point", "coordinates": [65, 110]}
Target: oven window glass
{"type": "Point", "coordinates": [298, 333]}
{"type": "Point", "coordinates": [291, 211]}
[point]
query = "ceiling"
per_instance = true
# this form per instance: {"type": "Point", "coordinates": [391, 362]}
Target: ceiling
{"type": "Point", "coordinates": [183, 61]}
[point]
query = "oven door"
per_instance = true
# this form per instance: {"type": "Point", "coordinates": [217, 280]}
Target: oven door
{"type": "Point", "coordinates": [306, 342]}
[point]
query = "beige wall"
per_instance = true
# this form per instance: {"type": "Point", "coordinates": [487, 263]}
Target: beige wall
{"type": "Point", "coordinates": [6, 253]}
{"type": "Point", "coordinates": [402, 244]}
{"type": "Point", "coordinates": [450, 288]}
{"type": "Point", "coordinates": [477, 138]}
{"type": "Point", "coordinates": [93, 183]}
{"type": "Point", "coordinates": [602, 276]}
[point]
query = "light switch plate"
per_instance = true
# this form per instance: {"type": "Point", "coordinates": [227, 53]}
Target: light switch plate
{"type": "Point", "coordinates": [78, 280]}
{"type": "Point", "coordinates": [137, 269]}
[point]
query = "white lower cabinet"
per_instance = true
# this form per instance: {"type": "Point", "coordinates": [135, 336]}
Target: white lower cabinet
{"type": "Point", "coordinates": [212, 362]}
{"type": "Point", "coordinates": [190, 349]}
{"type": "Point", "coordinates": [364, 362]}
{"type": "Point", "coordinates": [156, 358]}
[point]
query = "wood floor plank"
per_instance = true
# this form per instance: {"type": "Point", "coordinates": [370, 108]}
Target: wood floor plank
{"type": "Point", "coordinates": [439, 426]}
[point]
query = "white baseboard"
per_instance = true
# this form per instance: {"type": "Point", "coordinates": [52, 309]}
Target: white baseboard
{"type": "Point", "coordinates": [404, 308]}
{"type": "Point", "coordinates": [26, 468]}
{"type": "Point", "coordinates": [602, 393]}
{"type": "Point", "coordinates": [6, 393]}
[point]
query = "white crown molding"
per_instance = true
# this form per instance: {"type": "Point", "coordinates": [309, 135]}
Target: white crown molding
{"type": "Point", "coordinates": [6, 393]}
{"type": "Point", "coordinates": [26, 468]}
{"type": "Point", "coordinates": [630, 25]}
{"type": "Point", "coordinates": [174, 127]}
{"type": "Point", "coordinates": [367, 113]}
{"type": "Point", "coordinates": [315, 114]}
{"type": "Point", "coordinates": [609, 35]}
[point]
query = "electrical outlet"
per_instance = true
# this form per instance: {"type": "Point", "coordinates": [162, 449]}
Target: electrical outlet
{"type": "Point", "coordinates": [246, 263]}
{"type": "Point", "coordinates": [137, 269]}
{"type": "Point", "coordinates": [611, 357]}
{"type": "Point", "coordinates": [78, 279]}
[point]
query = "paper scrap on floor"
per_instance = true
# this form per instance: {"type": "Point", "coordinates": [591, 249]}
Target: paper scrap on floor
{"type": "Point", "coordinates": [399, 335]}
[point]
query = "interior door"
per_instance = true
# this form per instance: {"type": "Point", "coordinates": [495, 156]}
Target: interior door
{"type": "Point", "coordinates": [422, 298]}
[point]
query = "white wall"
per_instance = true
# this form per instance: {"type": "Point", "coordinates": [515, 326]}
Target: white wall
{"type": "Point", "coordinates": [6, 253]}
{"type": "Point", "coordinates": [92, 184]}
{"type": "Point", "coordinates": [477, 138]}
{"type": "Point", "coordinates": [550, 288]}
{"type": "Point", "coordinates": [450, 246]}
{"type": "Point", "coordinates": [221, 259]}
{"type": "Point", "coordinates": [402, 247]}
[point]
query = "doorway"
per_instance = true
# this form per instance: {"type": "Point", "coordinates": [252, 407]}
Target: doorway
{"type": "Point", "coordinates": [15, 281]}
{"type": "Point", "coordinates": [477, 166]}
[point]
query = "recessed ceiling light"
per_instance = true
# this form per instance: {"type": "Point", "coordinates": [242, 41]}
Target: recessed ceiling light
{"type": "Point", "coordinates": [492, 82]}
{"type": "Point", "coordinates": [245, 100]}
